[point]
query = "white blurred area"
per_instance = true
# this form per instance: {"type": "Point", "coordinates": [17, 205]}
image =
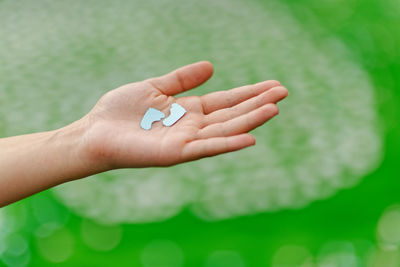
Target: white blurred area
{"type": "Point", "coordinates": [60, 57]}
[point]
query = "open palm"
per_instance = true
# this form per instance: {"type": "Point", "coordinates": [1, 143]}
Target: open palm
{"type": "Point", "coordinates": [214, 123]}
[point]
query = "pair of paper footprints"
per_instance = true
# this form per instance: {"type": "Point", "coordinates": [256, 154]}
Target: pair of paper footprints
{"type": "Point", "coordinates": [153, 114]}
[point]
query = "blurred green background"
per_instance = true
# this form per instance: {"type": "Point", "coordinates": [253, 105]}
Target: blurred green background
{"type": "Point", "coordinates": [356, 226]}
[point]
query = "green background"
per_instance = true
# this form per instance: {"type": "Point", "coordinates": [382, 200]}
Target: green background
{"type": "Point", "coordinates": [370, 30]}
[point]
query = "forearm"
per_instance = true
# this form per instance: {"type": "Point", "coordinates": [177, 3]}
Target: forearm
{"type": "Point", "coordinates": [35, 162]}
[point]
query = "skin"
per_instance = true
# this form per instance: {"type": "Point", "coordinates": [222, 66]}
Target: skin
{"type": "Point", "coordinates": [110, 137]}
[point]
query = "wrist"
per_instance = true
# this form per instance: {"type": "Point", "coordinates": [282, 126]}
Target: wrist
{"type": "Point", "coordinates": [74, 142]}
{"type": "Point", "coordinates": [35, 162]}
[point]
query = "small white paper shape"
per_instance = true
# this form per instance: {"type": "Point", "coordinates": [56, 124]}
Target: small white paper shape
{"type": "Point", "coordinates": [176, 112]}
{"type": "Point", "coordinates": [151, 116]}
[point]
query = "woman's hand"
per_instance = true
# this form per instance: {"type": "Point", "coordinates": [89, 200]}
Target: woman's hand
{"type": "Point", "coordinates": [110, 135]}
{"type": "Point", "coordinates": [215, 123]}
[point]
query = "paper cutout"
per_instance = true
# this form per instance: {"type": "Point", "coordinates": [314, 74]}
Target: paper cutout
{"type": "Point", "coordinates": [151, 116]}
{"type": "Point", "coordinates": [176, 112]}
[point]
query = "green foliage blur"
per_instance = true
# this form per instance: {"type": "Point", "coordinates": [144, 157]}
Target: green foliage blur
{"type": "Point", "coordinates": [348, 221]}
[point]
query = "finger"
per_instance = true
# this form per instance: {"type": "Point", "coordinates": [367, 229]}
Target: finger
{"type": "Point", "coordinates": [271, 96]}
{"type": "Point", "coordinates": [184, 78]}
{"type": "Point", "coordinates": [214, 146]}
{"type": "Point", "coordinates": [225, 99]}
{"type": "Point", "coordinates": [241, 124]}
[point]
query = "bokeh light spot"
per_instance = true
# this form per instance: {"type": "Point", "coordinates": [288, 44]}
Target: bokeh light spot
{"type": "Point", "coordinates": [100, 237]}
{"type": "Point", "coordinates": [56, 247]}
{"type": "Point", "coordinates": [162, 253]}
{"type": "Point", "coordinates": [383, 258]}
{"type": "Point", "coordinates": [389, 227]}
{"type": "Point", "coordinates": [338, 254]}
{"type": "Point", "coordinates": [292, 256]}
{"type": "Point", "coordinates": [225, 258]}
{"type": "Point", "coordinates": [16, 261]}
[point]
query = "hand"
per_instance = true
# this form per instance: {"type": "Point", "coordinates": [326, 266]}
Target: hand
{"type": "Point", "coordinates": [215, 123]}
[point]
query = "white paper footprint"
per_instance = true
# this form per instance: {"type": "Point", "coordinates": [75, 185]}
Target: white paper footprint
{"type": "Point", "coordinates": [151, 116]}
{"type": "Point", "coordinates": [176, 112]}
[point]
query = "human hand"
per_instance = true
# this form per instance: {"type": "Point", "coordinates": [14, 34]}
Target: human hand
{"type": "Point", "coordinates": [214, 123]}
